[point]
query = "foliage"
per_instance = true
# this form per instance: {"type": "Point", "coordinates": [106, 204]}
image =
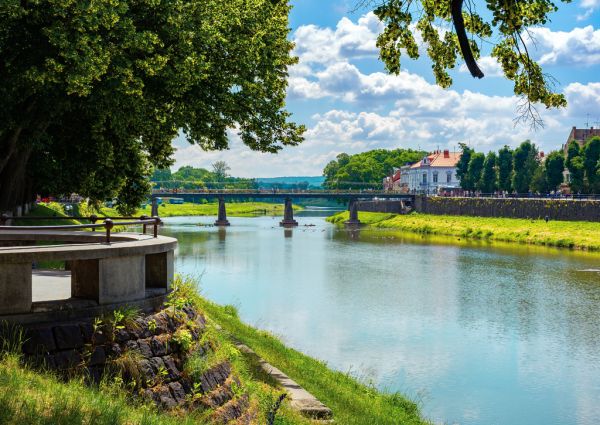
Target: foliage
{"type": "Point", "coordinates": [220, 169]}
{"type": "Point", "coordinates": [445, 26]}
{"type": "Point", "coordinates": [462, 167]}
{"type": "Point", "coordinates": [474, 170]}
{"type": "Point", "coordinates": [92, 94]}
{"type": "Point", "coordinates": [489, 180]}
{"type": "Point", "coordinates": [554, 166]}
{"type": "Point", "coordinates": [505, 168]}
{"type": "Point", "coordinates": [539, 181]}
{"type": "Point", "coordinates": [576, 167]}
{"type": "Point", "coordinates": [591, 156]}
{"type": "Point", "coordinates": [367, 169]}
{"type": "Point", "coordinates": [183, 338]}
{"type": "Point", "coordinates": [188, 177]}
{"type": "Point", "coordinates": [525, 163]}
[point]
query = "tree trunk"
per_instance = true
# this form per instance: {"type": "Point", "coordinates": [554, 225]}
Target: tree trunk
{"type": "Point", "coordinates": [14, 181]}
{"type": "Point", "coordinates": [463, 40]}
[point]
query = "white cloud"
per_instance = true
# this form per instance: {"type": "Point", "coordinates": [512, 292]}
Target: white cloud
{"type": "Point", "coordinates": [377, 110]}
{"type": "Point", "coordinates": [349, 40]}
{"type": "Point", "coordinates": [580, 46]}
{"type": "Point", "coordinates": [590, 6]}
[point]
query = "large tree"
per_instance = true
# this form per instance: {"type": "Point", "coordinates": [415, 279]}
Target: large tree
{"type": "Point", "coordinates": [449, 30]}
{"type": "Point", "coordinates": [555, 166]}
{"type": "Point", "coordinates": [462, 167]}
{"type": "Point", "coordinates": [525, 162]}
{"type": "Point", "coordinates": [475, 170]}
{"type": "Point", "coordinates": [576, 167]}
{"type": "Point", "coordinates": [489, 177]}
{"type": "Point", "coordinates": [591, 156]}
{"type": "Point", "coordinates": [505, 168]}
{"type": "Point", "coordinates": [92, 93]}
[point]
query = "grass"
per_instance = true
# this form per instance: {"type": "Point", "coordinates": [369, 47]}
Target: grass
{"type": "Point", "coordinates": [33, 397]}
{"type": "Point", "coordinates": [52, 209]}
{"type": "Point", "coordinates": [234, 209]}
{"type": "Point", "coordinates": [566, 234]}
{"type": "Point", "coordinates": [351, 401]}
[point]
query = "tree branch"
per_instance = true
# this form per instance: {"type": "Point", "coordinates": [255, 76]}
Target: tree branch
{"type": "Point", "coordinates": [463, 40]}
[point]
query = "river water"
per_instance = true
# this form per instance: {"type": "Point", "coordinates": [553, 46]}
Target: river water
{"type": "Point", "coordinates": [476, 334]}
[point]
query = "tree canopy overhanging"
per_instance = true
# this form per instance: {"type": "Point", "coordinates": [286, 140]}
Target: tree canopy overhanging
{"type": "Point", "coordinates": [92, 93]}
{"type": "Point", "coordinates": [451, 29]}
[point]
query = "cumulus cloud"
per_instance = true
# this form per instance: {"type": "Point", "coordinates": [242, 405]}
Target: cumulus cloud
{"type": "Point", "coordinates": [580, 46]}
{"type": "Point", "coordinates": [358, 110]}
{"type": "Point", "coordinates": [590, 6]}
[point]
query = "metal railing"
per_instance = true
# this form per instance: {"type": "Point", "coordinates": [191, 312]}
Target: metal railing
{"type": "Point", "coordinates": [108, 223]}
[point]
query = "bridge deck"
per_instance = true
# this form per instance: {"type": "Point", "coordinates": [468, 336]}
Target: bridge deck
{"type": "Point", "coordinates": [281, 195]}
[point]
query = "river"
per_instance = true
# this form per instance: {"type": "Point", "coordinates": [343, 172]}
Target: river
{"type": "Point", "coordinates": [475, 333]}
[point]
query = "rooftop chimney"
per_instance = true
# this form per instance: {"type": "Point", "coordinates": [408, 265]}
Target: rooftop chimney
{"type": "Point", "coordinates": [446, 153]}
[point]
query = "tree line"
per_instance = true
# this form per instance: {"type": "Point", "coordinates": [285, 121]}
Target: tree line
{"type": "Point", "coordinates": [200, 178]}
{"type": "Point", "coordinates": [524, 170]}
{"type": "Point", "coordinates": [366, 170]}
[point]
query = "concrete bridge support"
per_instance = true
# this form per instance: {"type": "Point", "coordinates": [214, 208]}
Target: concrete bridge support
{"type": "Point", "coordinates": [288, 215]}
{"type": "Point", "coordinates": [222, 218]}
{"type": "Point", "coordinates": [353, 220]}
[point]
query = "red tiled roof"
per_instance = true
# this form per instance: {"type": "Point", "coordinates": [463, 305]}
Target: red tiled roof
{"type": "Point", "coordinates": [440, 159]}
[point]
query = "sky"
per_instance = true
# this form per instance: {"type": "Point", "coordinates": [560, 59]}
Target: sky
{"type": "Point", "coordinates": [341, 92]}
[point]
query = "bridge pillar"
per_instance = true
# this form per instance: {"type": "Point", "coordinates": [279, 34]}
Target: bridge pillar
{"type": "Point", "coordinates": [154, 209]}
{"type": "Point", "coordinates": [222, 218]}
{"type": "Point", "coordinates": [353, 209]}
{"type": "Point", "coordinates": [288, 215]}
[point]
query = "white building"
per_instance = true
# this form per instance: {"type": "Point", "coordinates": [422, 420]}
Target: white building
{"type": "Point", "coordinates": [435, 173]}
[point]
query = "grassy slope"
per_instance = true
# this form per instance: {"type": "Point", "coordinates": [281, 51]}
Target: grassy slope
{"type": "Point", "coordinates": [28, 397]}
{"type": "Point", "coordinates": [241, 209]}
{"type": "Point", "coordinates": [352, 403]}
{"type": "Point", "coordinates": [572, 234]}
{"type": "Point", "coordinates": [41, 210]}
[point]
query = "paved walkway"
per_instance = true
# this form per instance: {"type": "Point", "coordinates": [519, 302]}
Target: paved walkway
{"type": "Point", "coordinates": [48, 285]}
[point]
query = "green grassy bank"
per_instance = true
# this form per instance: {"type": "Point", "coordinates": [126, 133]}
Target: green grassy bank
{"type": "Point", "coordinates": [234, 209]}
{"type": "Point", "coordinates": [568, 234]}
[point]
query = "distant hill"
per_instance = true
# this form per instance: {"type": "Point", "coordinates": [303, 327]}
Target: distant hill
{"type": "Point", "coordinates": [310, 182]}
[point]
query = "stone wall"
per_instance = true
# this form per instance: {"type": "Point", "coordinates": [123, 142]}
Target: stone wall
{"type": "Point", "coordinates": [145, 353]}
{"type": "Point", "coordinates": [555, 209]}
{"type": "Point", "coordinates": [383, 206]}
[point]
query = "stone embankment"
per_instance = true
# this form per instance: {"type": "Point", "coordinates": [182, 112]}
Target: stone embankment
{"type": "Point", "coordinates": [148, 353]}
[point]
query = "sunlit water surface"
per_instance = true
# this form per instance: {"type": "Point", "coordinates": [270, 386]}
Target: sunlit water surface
{"type": "Point", "coordinates": [476, 334]}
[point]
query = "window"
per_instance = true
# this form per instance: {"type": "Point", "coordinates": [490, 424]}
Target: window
{"type": "Point", "coordinates": [435, 177]}
{"type": "Point", "coordinates": [424, 178]}
{"type": "Point", "coordinates": [448, 176]}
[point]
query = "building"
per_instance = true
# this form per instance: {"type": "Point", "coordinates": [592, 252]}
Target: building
{"type": "Point", "coordinates": [435, 173]}
{"type": "Point", "coordinates": [581, 136]}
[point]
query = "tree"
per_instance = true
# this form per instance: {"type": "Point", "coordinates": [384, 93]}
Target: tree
{"type": "Point", "coordinates": [489, 178]}
{"type": "Point", "coordinates": [591, 156]}
{"type": "Point", "coordinates": [525, 163]}
{"type": "Point", "coordinates": [91, 94]}
{"type": "Point", "coordinates": [505, 169]}
{"type": "Point", "coordinates": [539, 180]}
{"type": "Point", "coordinates": [444, 27]}
{"type": "Point", "coordinates": [554, 165]}
{"type": "Point", "coordinates": [475, 169]}
{"type": "Point", "coordinates": [576, 167]}
{"type": "Point", "coordinates": [366, 169]}
{"type": "Point", "coordinates": [220, 169]}
{"type": "Point", "coordinates": [462, 167]}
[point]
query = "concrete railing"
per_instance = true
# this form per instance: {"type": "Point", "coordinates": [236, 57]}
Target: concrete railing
{"type": "Point", "coordinates": [118, 272]}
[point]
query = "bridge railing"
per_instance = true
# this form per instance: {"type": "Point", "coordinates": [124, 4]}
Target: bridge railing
{"type": "Point", "coordinates": [107, 224]}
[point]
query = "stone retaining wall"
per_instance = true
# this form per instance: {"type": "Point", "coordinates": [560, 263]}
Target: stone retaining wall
{"type": "Point", "coordinates": [555, 209]}
{"type": "Point", "coordinates": [147, 354]}
{"type": "Point", "coordinates": [382, 206]}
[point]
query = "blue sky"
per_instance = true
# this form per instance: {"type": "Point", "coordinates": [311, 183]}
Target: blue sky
{"type": "Point", "coordinates": [341, 92]}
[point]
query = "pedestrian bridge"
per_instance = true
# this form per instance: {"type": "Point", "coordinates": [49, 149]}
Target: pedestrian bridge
{"type": "Point", "coordinates": [349, 196]}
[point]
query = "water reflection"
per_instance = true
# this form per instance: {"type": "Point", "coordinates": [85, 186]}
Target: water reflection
{"type": "Point", "coordinates": [481, 333]}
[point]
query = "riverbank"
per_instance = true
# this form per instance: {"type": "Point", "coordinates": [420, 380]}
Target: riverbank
{"type": "Point", "coordinates": [234, 209]}
{"type": "Point", "coordinates": [26, 390]}
{"type": "Point", "coordinates": [565, 234]}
